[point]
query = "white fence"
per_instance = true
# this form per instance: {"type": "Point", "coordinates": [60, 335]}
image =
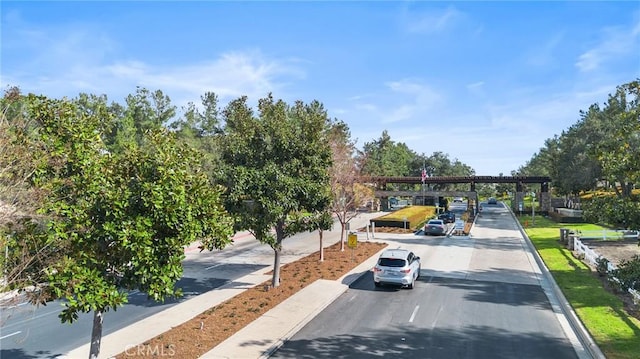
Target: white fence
{"type": "Point", "coordinates": [591, 256]}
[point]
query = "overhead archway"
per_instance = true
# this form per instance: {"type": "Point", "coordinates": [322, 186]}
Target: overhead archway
{"type": "Point", "coordinates": [383, 194]}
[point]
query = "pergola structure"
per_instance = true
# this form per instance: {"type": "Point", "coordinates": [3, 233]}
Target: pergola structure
{"type": "Point", "coordinates": [383, 194]}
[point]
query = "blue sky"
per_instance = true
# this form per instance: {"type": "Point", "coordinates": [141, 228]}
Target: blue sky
{"type": "Point", "coordinates": [485, 82]}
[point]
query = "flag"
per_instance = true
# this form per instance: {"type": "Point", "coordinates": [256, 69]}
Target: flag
{"type": "Point", "coordinates": [424, 175]}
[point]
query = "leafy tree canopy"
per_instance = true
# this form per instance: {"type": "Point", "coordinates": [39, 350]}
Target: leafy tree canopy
{"type": "Point", "coordinates": [275, 167]}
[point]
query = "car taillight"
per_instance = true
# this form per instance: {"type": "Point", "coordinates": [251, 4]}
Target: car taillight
{"type": "Point", "coordinates": [376, 269]}
{"type": "Point", "coordinates": [405, 270]}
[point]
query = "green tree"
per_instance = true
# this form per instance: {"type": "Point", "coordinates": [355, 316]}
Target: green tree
{"type": "Point", "coordinates": [616, 140]}
{"type": "Point", "coordinates": [200, 129]}
{"type": "Point", "coordinates": [117, 130]}
{"type": "Point", "coordinates": [20, 156]}
{"type": "Point", "coordinates": [144, 111]}
{"type": "Point", "coordinates": [575, 171]}
{"type": "Point", "coordinates": [275, 168]}
{"type": "Point", "coordinates": [385, 157]}
{"type": "Point", "coordinates": [541, 163]}
{"type": "Point", "coordinates": [119, 221]}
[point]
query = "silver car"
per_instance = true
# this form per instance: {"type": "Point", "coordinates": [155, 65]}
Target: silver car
{"type": "Point", "coordinates": [397, 267]}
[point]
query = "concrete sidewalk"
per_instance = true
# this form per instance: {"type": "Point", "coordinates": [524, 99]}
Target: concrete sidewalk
{"type": "Point", "coordinates": [306, 304]}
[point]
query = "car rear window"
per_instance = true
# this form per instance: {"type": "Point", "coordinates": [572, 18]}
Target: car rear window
{"type": "Point", "coordinates": [391, 262]}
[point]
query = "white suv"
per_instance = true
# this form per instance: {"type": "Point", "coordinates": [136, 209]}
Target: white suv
{"type": "Point", "coordinates": [397, 266]}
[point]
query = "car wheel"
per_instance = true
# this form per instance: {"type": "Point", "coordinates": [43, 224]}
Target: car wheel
{"type": "Point", "coordinates": [377, 284]}
{"type": "Point", "coordinates": [410, 285]}
{"type": "Point", "coordinates": [418, 276]}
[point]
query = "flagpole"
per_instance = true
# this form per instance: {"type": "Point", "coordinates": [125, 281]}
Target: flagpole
{"type": "Point", "coordinates": [424, 171]}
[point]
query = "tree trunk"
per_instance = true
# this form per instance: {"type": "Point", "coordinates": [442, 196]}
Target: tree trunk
{"type": "Point", "coordinates": [321, 246]}
{"type": "Point", "coordinates": [342, 226]}
{"type": "Point", "coordinates": [96, 335]}
{"type": "Point", "coordinates": [628, 189]}
{"type": "Point", "coordinates": [275, 281]}
{"type": "Point", "coordinates": [277, 249]}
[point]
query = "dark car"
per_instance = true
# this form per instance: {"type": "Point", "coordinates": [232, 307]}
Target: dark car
{"type": "Point", "coordinates": [447, 217]}
{"type": "Point", "coordinates": [492, 201]}
{"type": "Point", "coordinates": [435, 227]}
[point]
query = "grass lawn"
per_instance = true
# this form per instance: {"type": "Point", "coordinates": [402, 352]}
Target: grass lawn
{"type": "Point", "coordinates": [614, 330]}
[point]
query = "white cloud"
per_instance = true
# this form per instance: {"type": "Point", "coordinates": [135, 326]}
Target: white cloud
{"type": "Point", "coordinates": [415, 99]}
{"type": "Point", "coordinates": [494, 137]}
{"type": "Point", "coordinates": [64, 60]}
{"type": "Point", "coordinates": [433, 21]}
{"type": "Point", "coordinates": [231, 75]}
{"type": "Point", "coordinates": [615, 42]}
{"type": "Point", "coordinates": [476, 88]}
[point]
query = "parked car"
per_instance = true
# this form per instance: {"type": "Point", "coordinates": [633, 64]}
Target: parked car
{"type": "Point", "coordinates": [397, 267]}
{"type": "Point", "coordinates": [435, 227]}
{"type": "Point", "coordinates": [492, 201]}
{"type": "Point", "coordinates": [447, 217]}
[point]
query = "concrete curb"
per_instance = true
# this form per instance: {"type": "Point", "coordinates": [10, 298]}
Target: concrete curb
{"type": "Point", "coordinates": [576, 324]}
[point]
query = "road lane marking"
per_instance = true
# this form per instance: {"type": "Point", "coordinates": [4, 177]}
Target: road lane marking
{"type": "Point", "coordinates": [213, 266]}
{"type": "Point", "coordinates": [10, 335]}
{"type": "Point", "coordinates": [17, 305]}
{"type": "Point", "coordinates": [413, 315]}
{"type": "Point", "coordinates": [24, 321]}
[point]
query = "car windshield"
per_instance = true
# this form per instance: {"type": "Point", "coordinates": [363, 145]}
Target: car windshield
{"type": "Point", "coordinates": [434, 222]}
{"type": "Point", "coordinates": [391, 262]}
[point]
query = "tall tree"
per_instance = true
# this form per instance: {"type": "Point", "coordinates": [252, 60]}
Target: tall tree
{"type": "Point", "coordinates": [574, 169]}
{"type": "Point", "coordinates": [616, 140]}
{"type": "Point", "coordinates": [145, 111]}
{"type": "Point", "coordinates": [117, 130]}
{"type": "Point", "coordinates": [200, 129]}
{"type": "Point", "coordinates": [119, 221]}
{"type": "Point", "coordinates": [385, 157]}
{"type": "Point", "coordinates": [275, 168]}
{"type": "Point", "coordinates": [348, 192]}
{"type": "Point", "coordinates": [20, 156]}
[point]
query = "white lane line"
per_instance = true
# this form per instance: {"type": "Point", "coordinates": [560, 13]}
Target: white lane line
{"type": "Point", "coordinates": [213, 266]}
{"type": "Point", "coordinates": [413, 315]}
{"type": "Point", "coordinates": [23, 321]}
{"type": "Point", "coordinates": [17, 305]}
{"type": "Point", "coordinates": [10, 335]}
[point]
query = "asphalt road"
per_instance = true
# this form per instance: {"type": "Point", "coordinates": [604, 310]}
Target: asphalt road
{"type": "Point", "coordinates": [478, 297]}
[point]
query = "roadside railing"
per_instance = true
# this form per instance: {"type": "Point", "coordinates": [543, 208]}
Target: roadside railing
{"type": "Point", "coordinates": [593, 258]}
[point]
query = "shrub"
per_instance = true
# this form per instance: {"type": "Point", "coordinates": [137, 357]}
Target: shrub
{"type": "Point", "coordinates": [628, 273]}
{"type": "Point", "coordinates": [613, 211]}
{"type": "Point", "coordinates": [415, 215]}
{"type": "Point", "coordinates": [602, 266]}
